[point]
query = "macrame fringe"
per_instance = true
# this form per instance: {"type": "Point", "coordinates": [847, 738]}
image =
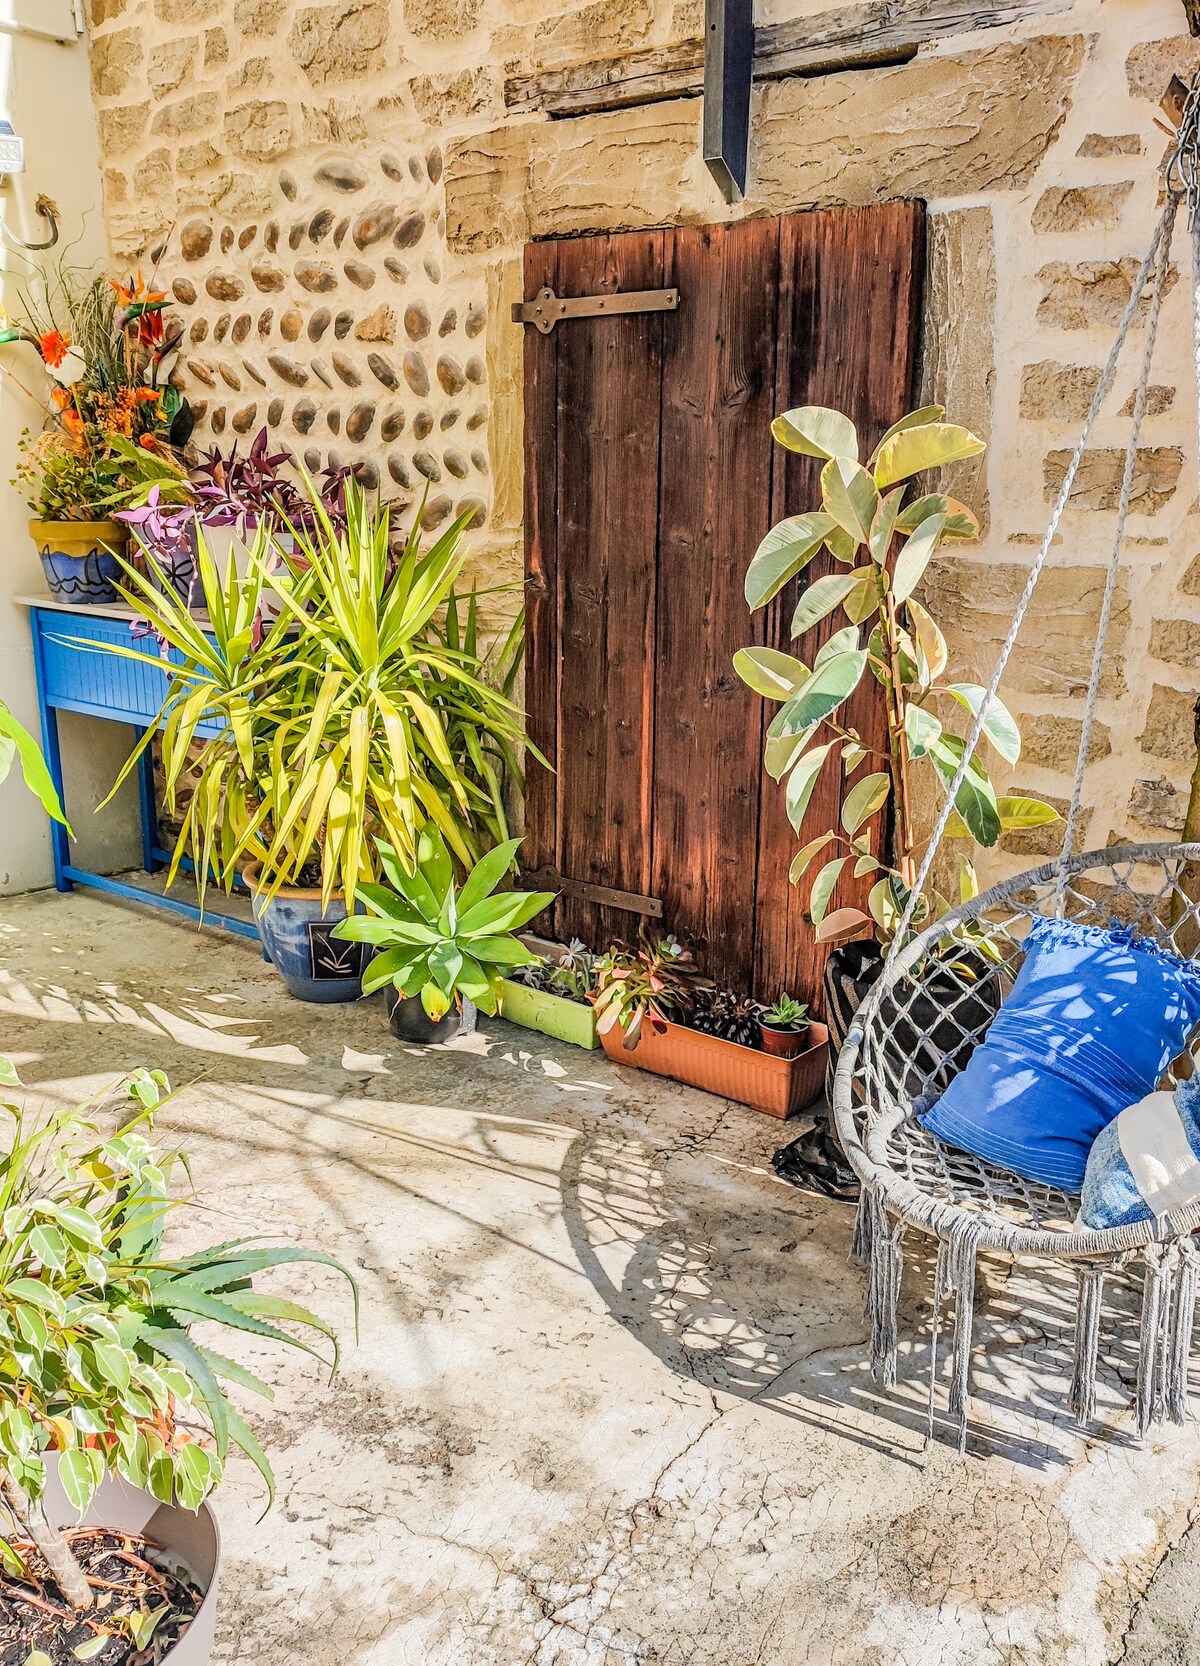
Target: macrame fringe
{"type": "Point", "coordinates": [864, 1221]}
{"type": "Point", "coordinates": [1156, 1318]}
{"type": "Point", "coordinates": [1082, 1398]}
{"type": "Point", "coordinates": [1183, 1319]}
{"type": "Point", "coordinates": [941, 1273]}
{"type": "Point", "coordinates": [961, 1255]}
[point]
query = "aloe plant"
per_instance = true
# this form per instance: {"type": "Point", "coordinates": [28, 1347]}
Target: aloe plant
{"type": "Point", "coordinates": [437, 940]}
{"type": "Point", "coordinates": [863, 512]}
{"type": "Point", "coordinates": [99, 1372]}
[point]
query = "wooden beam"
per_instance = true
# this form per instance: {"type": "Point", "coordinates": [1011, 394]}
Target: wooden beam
{"type": "Point", "coordinates": [728, 79]}
{"type": "Point", "coordinates": [864, 36]}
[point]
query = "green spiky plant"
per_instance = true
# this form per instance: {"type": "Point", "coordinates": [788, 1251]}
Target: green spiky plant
{"type": "Point", "coordinates": [863, 511]}
{"type": "Point", "coordinates": [365, 711]}
{"type": "Point", "coordinates": [99, 1372]}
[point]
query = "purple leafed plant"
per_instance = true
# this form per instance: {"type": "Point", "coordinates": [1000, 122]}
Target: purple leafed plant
{"type": "Point", "coordinates": [232, 491]}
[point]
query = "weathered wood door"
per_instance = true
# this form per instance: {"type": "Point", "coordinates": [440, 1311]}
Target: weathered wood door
{"type": "Point", "coordinates": [651, 476]}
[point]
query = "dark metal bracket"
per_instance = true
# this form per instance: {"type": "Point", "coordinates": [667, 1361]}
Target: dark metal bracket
{"type": "Point", "coordinates": [548, 309]}
{"type": "Point", "coordinates": [547, 879]}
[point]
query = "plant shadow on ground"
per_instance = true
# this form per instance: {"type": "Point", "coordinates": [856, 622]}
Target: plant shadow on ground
{"type": "Point", "coordinates": [733, 1280]}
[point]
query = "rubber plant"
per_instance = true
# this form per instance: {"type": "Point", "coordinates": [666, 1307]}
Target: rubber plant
{"type": "Point", "coordinates": [99, 1372]}
{"type": "Point", "coordinates": [440, 941]}
{"type": "Point", "coordinates": [889, 635]}
{"type": "Point", "coordinates": [348, 720]}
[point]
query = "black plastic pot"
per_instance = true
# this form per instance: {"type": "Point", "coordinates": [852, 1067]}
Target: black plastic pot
{"type": "Point", "coordinates": [410, 1022]}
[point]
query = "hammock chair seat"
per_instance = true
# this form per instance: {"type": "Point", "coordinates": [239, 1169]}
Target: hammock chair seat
{"type": "Point", "coordinates": [891, 1068]}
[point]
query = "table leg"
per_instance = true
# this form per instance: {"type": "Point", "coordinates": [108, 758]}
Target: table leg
{"type": "Point", "coordinates": [60, 839]}
{"type": "Point", "coordinates": [149, 809]}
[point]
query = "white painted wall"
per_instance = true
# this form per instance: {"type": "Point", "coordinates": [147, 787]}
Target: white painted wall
{"type": "Point", "coordinates": [45, 93]}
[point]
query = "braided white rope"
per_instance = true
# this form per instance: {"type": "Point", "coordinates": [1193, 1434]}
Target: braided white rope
{"type": "Point", "coordinates": [1114, 565]}
{"type": "Point", "coordinates": [1166, 220]}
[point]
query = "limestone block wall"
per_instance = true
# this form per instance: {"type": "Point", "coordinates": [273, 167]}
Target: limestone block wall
{"type": "Point", "coordinates": [345, 197]}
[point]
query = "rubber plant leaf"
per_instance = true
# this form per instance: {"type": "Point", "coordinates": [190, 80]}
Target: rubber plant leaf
{"type": "Point", "coordinates": [822, 890]}
{"type": "Point", "coordinates": [884, 525]}
{"type": "Point", "coordinates": [1017, 814]}
{"type": "Point", "coordinates": [816, 431]}
{"type": "Point", "coordinates": [930, 446]}
{"type": "Point", "coordinates": [774, 675]}
{"type": "Point", "coordinates": [804, 857]}
{"type": "Point", "coordinates": [914, 419]}
{"type": "Point", "coordinates": [915, 555]}
{"type": "Point", "coordinates": [921, 729]}
{"type": "Point", "coordinates": [930, 640]}
{"type": "Point", "coordinates": [820, 599]}
{"type": "Point", "coordinates": [960, 521]}
{"type": "Point", "coordinates": [785, 551]}
{"type": "Point", "coordinates": [822, 693]}
{"type": "Point", "coordinates": [850, 496]}
{"type": "Point", "coordinates": [863, 799]}
{"type": "Point", "coordinates": [976, 798]}
{"type": "Point", "coordinates": [18, 742]}
{"type": "Point", "coordinates": [998, 725]}
{"type": "Point", "coordinates": [842, 925]}
{"type": "Point", "coordinates": [803, 780]}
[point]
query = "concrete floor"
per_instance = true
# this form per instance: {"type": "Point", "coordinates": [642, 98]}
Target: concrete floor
{"type": "Point", "coordinates": [609, 1402]}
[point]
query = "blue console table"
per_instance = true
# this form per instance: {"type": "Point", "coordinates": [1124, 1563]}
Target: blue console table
{"type": "Point", "coordinates": [75, 674]}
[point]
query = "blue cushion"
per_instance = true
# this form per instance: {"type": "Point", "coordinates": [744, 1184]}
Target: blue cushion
{"type": "Point", "coordinates": [1146, 1163]}
{"type": "Point", "coordinates": [1092, 1021]}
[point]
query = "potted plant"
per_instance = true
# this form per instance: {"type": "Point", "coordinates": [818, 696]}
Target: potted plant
{"type": "Point", "coordinates": [112, 1415]}
{"type": "Point", "coordinates": [552, 995]}
{"type": "Point", "coordinates": [656, 1014]}
{"type": "Point", "coordinates": [105, 344]}
{"type": "Point", "coordinates": [784, 1027]}
{"type": "Point", "coordinates": [326, 731]}
{"type": "Point", "coordinates": [230, 498]}
{"type": "Point", "coordinates": [441, 949]}
{"type": "Point", "coordinates": [891, 635]}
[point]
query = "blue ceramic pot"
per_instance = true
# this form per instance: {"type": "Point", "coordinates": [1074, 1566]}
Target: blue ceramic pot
{"type": "Point", "coordinates": [78, 560]}
{"type": "Point", "coordinates": [297, 934]}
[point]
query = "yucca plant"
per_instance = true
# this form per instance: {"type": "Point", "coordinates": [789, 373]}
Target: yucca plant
{"type": "Point", "coordinates": [99, 1372]}
{"type": "Point", "coordinates": [862, 512]}
{"type": "Point", "coordinates": [351, 718]}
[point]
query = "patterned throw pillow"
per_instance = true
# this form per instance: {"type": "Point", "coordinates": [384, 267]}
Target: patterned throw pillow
{"type": "Point", "coordinates": [1091, 1024]}
{"type": "Point", "coordinates": [1146, 1163]}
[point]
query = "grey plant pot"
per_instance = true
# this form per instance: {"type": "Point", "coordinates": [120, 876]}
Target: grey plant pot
{"type": "Point", "coordinates": [193, 1540]}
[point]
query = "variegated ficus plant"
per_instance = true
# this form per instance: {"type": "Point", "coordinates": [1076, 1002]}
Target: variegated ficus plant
{"type": "Point", "coordinates": [883, 545]}
{"type": "Point", "coordinates": [100, 1373]}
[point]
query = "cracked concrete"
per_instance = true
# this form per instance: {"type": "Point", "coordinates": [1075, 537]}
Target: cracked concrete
{"type": "Point", "coordinates": [609, 1406]}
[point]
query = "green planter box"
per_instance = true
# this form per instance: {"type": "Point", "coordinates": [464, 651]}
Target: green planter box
{"type": "Point", "coordinates": [549, 1014]}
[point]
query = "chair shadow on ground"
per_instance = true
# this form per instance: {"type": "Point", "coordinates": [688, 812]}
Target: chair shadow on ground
{"type": "Point", "coordinates": [776, 1316]}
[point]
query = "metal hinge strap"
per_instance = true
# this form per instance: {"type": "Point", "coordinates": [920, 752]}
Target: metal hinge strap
{"type": "Point", "coordinates": [548, 879]}
{"type": "Point", "coordinates": [547, 309]}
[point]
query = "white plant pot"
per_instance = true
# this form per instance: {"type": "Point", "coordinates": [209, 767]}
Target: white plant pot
{"type": "Point", "coordinates": [194, 1541]}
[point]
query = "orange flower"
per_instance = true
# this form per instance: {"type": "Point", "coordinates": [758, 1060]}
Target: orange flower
{"type": "Point", "coordinates": [53, 347]}
{"type": "Point", "coordinates": [144, 306]}
{"type": "Point", "coordinates": [73, 423]}
{"type": "Point", "coordinates": [149, 442]}
{"type": "Point", "coordinates": [62, 398]}
{"type": "Point", "coordinates": [146, 396]}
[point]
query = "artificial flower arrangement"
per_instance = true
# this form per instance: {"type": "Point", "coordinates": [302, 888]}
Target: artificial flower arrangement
{"type": "Point", "coordinates": [115, 424]}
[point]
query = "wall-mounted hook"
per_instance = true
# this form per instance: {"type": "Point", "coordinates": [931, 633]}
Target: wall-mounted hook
{"type": "Point", "coordinates": [48, 211]}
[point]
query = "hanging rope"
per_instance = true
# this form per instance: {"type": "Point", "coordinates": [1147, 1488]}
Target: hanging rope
{"type": "Point", "coordinates": [1114, 565]}
{"type": "Point", "coordinates": [1182, 181]}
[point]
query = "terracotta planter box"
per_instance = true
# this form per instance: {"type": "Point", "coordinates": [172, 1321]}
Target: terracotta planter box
{"type": "Point", "coordinates": [781, 1087]}
{"type": "Point", "coordinates": [550, 1015]}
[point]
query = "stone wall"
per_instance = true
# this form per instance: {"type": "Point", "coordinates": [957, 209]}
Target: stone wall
{"type": "Point", "coordinates": [349, 200]}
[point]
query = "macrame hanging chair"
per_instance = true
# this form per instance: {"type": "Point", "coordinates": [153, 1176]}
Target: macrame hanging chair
{"type": "Point", "coordinates": [909, 1179]}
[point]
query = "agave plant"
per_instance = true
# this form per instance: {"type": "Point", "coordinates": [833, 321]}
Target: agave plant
{"type": "Point", "coordinates": [350, 719]}
{"type": "Point", "coordinates": [436, 940]}
{"type": "Point", "coordinates": [99, 1372]}
{"type": "Point", "coordinates": [863, 511]}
